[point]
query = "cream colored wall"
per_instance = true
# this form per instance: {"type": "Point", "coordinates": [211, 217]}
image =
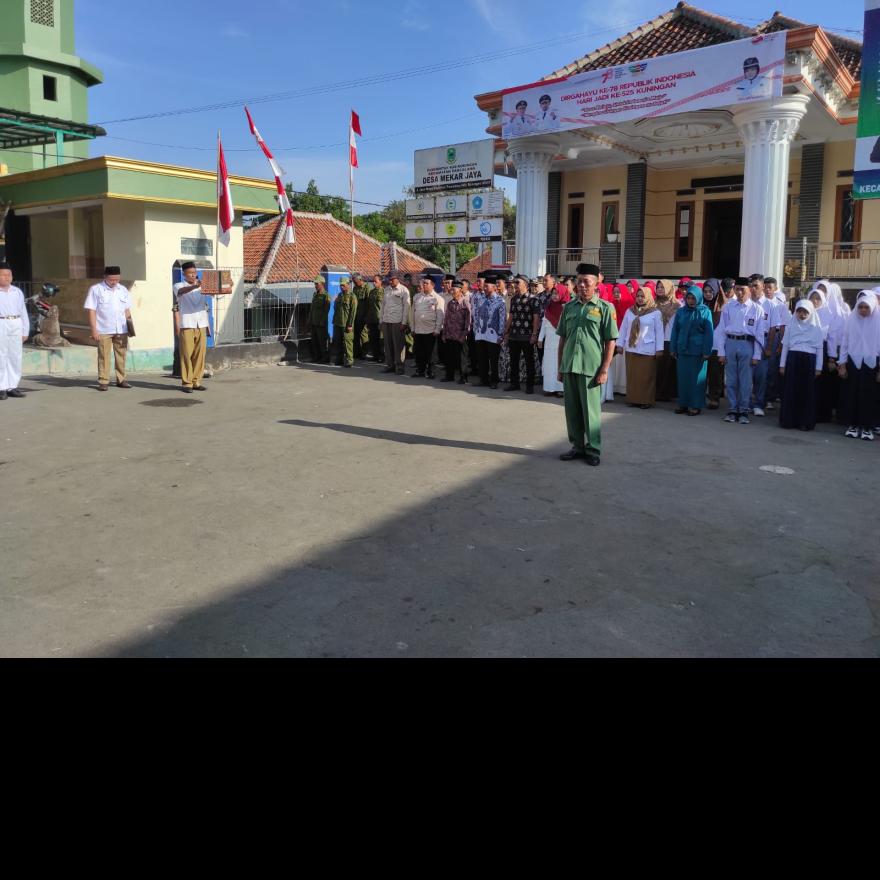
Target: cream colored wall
{"type": "Point", "coordinates": [591, 182]}
{"type": "Point", "coordinates": [49, 249]}
{"type": "Point", "coordinates": [840, 156]}
{"type": "Point", "coordinates": [164, 226]}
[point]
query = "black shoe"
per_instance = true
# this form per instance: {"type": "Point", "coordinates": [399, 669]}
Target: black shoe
{"type": "Point", "coordinates": [571, 455]}
{"type": "Point", "coordinates": [389, 370]}
{"type": "Point", "coordinates": [448, 379]}
{"type": "Point", "coordinates": [530, 389]}
{"type": "Point", "coordinates": [123, 385]}
{"type": "Point", "coordinates": [431, 376]}
{"type": "Point", "coordinates": [493, 386]}
{"type": "Point", "coordinates": [186, 390]}
{"type": "Point", "coordinates": [199, 388]}
{"type": "Point", "coordinates": [417, 375]}
{"type": "Point", "coordinates": [592, 460]}
{"type": "Point", "coordinates": [463, 380]}
{"type": "Point", "coordinates": [13, 392]}
{"type": "Point", "coordinates": [681, 410]}
{"type": "Point", "coordinates": [103, 387]}
{"type": "Point", "coordinates": [511, 388]}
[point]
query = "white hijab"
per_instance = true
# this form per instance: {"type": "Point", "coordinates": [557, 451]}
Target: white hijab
{"type": "Point", "coordinates": [836, 303]}
{"type": "Point", "coordinates": [823, 314]}
{"type": "Point", "coordinates": [807, 332]}
{"type": "Point", "coordinates": [863, 334]}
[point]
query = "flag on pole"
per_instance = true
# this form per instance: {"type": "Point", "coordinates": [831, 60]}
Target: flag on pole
{"type": "Point", "coordinates": [353, 129]}
{"type": "Point", "coordinates": [277, 171]}
{"type": "Point", "coordinates": [225, 211]}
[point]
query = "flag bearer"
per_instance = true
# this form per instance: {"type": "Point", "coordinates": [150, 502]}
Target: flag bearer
{"type": "Point", "coordinates": [109, 308]}
{"type": "Point", "coordinates": [14, 326]}
{"type": "Point", "coordinates": [192, 328]}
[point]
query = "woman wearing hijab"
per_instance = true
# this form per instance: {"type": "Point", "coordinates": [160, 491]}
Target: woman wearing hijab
{"type": "Point", "coordinates": [828, 384]}
{"type": "Point", "coordinates": [799, 366]}
{"type": "Point", "coordinates": [666, 371]}
{"type": "Point", "coordinates": [859, 353]}
{"type": "Point", "coordinates": [547, 338]}
{"type": "Point", "coordinates": [641, 337]}
{"type": "Point", "coordinates": [714, 300]}
{"type": "Point", "coordinates": [623, 299]}
{"type": "Point", "coordinates": [691, 345]}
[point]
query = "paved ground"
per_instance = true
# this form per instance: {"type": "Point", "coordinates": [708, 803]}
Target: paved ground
{"type": "Point", "coordinates": [321, 512]}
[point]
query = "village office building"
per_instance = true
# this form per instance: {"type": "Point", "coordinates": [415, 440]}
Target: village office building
{"type": "Point", "coordinates": [66, 216]}
{"type": "Point", "coordinates": [762, 187]}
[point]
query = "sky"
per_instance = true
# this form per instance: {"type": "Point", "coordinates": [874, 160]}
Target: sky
{"type": "Point", "coordinates": [170, 55]}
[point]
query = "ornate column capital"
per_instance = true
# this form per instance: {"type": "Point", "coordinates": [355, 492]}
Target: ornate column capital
{"type": "Point", "coordinates": [771, 122]}
{"type": "Point", "coordinates": [533, 152]}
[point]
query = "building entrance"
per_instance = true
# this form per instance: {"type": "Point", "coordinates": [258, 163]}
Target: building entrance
{"type": "Point", "coordinates": [722, 235]}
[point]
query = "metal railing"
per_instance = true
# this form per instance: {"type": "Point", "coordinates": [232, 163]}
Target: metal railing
{"type": "Point", "coordinates": [843, 259]}
{"type": "Point", "coordinates": [564, 261]}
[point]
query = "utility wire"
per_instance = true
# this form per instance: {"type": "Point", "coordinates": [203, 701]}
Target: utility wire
{"type": "Point", "coordinates": [379, 78]}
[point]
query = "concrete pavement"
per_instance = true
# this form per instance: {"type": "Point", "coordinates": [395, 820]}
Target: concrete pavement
{"type": "Point", "coordinates": [300, 511]}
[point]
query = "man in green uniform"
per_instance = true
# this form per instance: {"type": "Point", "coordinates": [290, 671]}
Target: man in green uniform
{"type": "Point", "coordinates": [374, 317]}
{"type": "Point", "coordinates": [587, 330]}
{"type": "Point", "coordinates": [361, 340]}
{"type": "Point", "coordinates": [318, 323]}
{"type": "Point", "coordinates": [344, 315]}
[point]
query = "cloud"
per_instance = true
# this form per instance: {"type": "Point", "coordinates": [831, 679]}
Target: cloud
{"type": "Point", "coordinates": [413, 16]}
{"type": "Point", "coordinates": [234, 32]}
{"type": "Point", "coordinates": [498, 19]}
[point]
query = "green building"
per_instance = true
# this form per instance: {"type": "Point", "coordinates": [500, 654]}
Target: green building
{"type": "Point", "coordinates": [43, 86]}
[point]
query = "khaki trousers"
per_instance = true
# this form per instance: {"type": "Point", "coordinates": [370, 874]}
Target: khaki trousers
{"type": "Point", "coordinates": [193, 345]}
{"type": "Point", "coordinates": [118, 343]}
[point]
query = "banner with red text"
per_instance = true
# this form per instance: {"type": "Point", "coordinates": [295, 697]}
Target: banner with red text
{"type": "Point", "coordinates": [733, 73]}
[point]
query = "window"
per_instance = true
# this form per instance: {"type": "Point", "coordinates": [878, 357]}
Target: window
{"type": "Point", "coordinates": [847, 223]}
{"type": "Point", "coordinates": [610, 225]}
{"type": "Point", "coordinates": [50, 88]}
{"type": "Point", "coordinates": [43, 12]}
{"type": "Point", "coordinates": [684, 231]}
{"type": "Point", "coordinates": [575, 227]}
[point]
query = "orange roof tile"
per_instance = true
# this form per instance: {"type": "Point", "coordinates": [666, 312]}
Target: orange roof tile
{"type": "Point", "coordinates": [322, 239]}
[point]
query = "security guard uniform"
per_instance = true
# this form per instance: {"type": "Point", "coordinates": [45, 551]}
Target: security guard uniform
{"type": "Point", "coordinates": [344, 315]}
{"type": "Point", "coordinates": [318, 313]}
{"type": "Point", "coordinates": [373, 309]}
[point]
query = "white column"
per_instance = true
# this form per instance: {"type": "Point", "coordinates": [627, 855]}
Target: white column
{"type": "Point", "coordinates": [767, 130]}
{"type": "Point", "coordinates": [532, 157]}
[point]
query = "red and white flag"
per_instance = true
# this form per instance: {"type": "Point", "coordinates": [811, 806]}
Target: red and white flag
{"type": "Point", "coordinates": [225, 211]}
{"type": "Point", "coordinates": [277, 172]}
{"type": "Point", "coordinates": [353, 129]}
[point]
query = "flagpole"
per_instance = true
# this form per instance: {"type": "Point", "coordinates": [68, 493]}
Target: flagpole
{"type": "Point", "coordinates": [215, 306]}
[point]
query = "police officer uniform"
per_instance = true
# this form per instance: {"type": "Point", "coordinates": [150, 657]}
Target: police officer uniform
{"type": "Point", "coordinates": [757, 87]}
{"type": "Point", "coordinates": [14, 327]}
{"type": "Point", "coordinates": [112, 308]}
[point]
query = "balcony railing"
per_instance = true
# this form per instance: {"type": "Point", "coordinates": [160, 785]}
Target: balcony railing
{"type": "Point", "coordinates": [564, 261]}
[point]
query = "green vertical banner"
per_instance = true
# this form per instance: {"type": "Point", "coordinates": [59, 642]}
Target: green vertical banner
{"type": "Point", "coordinates": [866, 184]}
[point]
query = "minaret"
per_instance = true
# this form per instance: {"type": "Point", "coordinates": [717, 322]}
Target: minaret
{"type": "Point", "coordinates": [40, 72]}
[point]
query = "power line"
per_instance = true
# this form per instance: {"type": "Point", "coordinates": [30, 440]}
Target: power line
{"type": "Point", "coordinates": [377, 79]}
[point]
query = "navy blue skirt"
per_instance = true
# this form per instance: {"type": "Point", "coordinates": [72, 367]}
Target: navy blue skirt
{"type": "Point", "coordinates": [798, 408]}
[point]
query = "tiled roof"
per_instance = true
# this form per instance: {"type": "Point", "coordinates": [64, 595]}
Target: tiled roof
{"type": "Point", "coordinates": [468, 271]}
{"type": "Point", "coordinates": [687, 27]}
{"type": "Point", "coordinates": [321, 239]}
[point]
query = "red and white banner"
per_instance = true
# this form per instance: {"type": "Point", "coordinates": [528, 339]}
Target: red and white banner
{"type": "Point", "coordinates": [277, 171]}
{"type": "Point", "coordinates": [732, 73]}
{"type": "Point", "coordinates": [225, 211]}
{"type": "Point", "coordinates": [354, 128]}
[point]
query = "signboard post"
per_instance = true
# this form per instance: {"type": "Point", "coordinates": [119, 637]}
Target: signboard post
{"type": "Point", "coordinates": [455, 167]}
{"type": "Point", "coordinates": [866, 180]}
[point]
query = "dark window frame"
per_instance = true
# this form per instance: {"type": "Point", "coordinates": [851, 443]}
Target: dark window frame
{"type": "Point", "coordinates": [50, 88]}
{"type": "Point", "coordinates": [676, 237]}
{"type": "Point", "coordinates": [575, 208]}
{"type": "Point", "coordinates": [846, 251]}
{"type": "Point", "coordinates": [602, 232]}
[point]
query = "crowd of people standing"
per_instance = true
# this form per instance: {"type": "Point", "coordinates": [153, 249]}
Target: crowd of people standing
{"type": "Point", "coordinates": [740, 339]}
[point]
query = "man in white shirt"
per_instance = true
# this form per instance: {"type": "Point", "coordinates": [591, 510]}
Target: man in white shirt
{"type": "Point", "coordinates": [191, 326]}
{"type": "Point", "coordinates": [762, 368]}
{"type": "Point", "coordinates": [14, 326]}
{"type": "Point", "coordinates": [428, 311]}
{"type": "Point", "coordinates": [394, 318]}
{"type": "Point", "coordinates": [109, 308]}
{"type": "Point", "coordinates": [780, 315]}
{"type": "Point", "coordinates": [738, 340]}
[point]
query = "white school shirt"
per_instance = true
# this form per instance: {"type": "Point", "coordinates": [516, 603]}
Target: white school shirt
{"type": "Point", "coordinates": [12, 306]}
{"type": "Point", "coordinates": [806, 346]}
{"type": "Point", "coordinates": [768, 307]}
{"type": "Point", "coordinates": [780, 315]}
{"type": "Point", "coordinates": [741, 319]}
{"type": "Point", "coordinates": [109, 306]}
{"type": "Point", "coordinates": [651, 337]}
{"type": "Point", "coordinates": [191, 307]}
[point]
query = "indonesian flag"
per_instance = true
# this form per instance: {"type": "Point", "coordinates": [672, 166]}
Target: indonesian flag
{"type": "Point", "coordinates": [353, 129]}
{"type": "Point", "coordinates": [278, 172]}
{"type": "Point", "coordinates": [225, 211]}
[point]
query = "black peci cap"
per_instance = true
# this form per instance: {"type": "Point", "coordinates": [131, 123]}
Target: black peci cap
{"type": "Point", "coordinates": [588, 269]}
{"type": "Point", "coordinates": [112, 270]}
{"type": "Point", "coordinates": [6, 266]}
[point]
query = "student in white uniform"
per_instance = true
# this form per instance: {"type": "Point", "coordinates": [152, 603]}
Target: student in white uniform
{"type": "Point", "coordinates": [109, 308]}
{"type": "Point", "coordinates": [191, 325]}
{"type": "Point", "coordinates": [14, 326]}
{"type": "Point", "coordinates": [800, 365]}
{"type": "Point", "coordinates": [738, 341]}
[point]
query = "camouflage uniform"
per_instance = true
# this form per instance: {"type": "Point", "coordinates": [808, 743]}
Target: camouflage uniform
{"type": "Point", "coordinates": [343, 328]}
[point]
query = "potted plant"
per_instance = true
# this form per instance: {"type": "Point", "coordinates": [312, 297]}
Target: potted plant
{"type": "Point", "coordinates": [610, 233]}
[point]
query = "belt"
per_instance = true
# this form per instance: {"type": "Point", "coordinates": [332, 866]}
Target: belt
{"type": "Point", "coordinates": [10, 317]}
{"type": "Point", "coordinates": [731, 336]}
